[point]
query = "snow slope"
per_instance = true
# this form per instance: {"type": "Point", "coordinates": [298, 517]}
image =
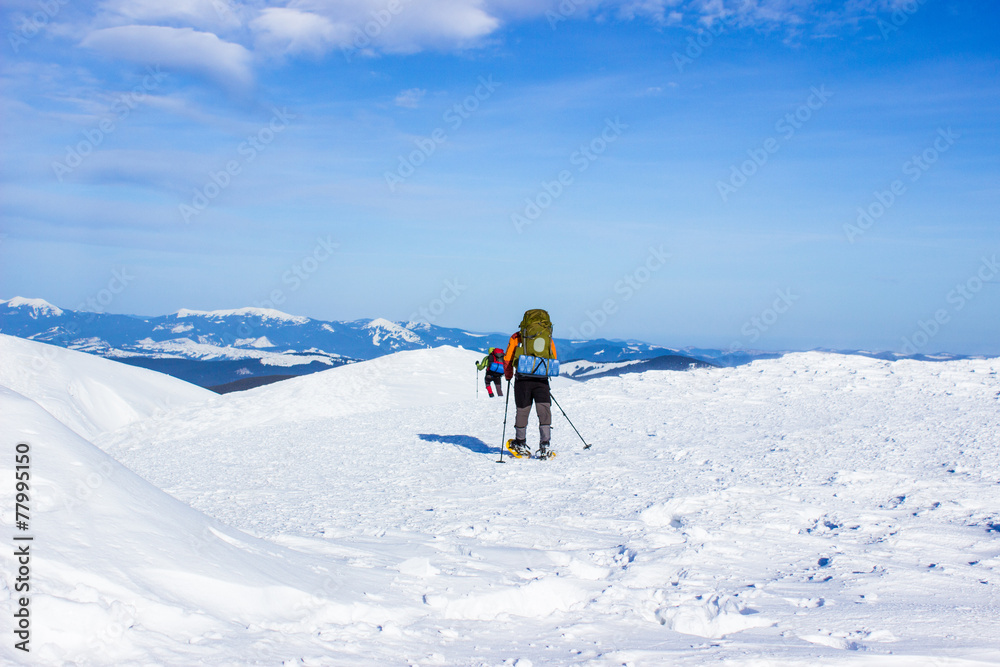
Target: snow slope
{"type": "Point", "coordinates": [89, 394]}
{"type": "Point", "coordinates": [124, 574]}
{"type": "Point", "coordinates": [814, 509]}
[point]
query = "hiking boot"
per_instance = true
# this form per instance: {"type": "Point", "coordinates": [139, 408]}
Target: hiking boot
{"type": "Point", "coordinates": [543, 451]}
{"type": "Point", "coordinates": [519, 448]}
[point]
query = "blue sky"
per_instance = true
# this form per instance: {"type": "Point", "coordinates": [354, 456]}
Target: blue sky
{"type": "Point", "coordinates": [779, 174]}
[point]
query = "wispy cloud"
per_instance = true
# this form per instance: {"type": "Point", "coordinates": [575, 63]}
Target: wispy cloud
{"type": "Point", "coordinates": [410, 99]}
{"type": "Point", "coordinates": [183, 49]}
{"type": "Point", "coordinates": [771, 14]}
{"type": "Point", "coordinates": [212, 15]}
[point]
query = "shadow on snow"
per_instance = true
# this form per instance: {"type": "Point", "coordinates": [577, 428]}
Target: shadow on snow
{"type": "Point", "coordinates": [472, 444]}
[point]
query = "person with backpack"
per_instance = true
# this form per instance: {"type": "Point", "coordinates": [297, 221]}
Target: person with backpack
{"type": "Point", "coordinates": [493, 363]}
{"type": "Point", "coordinates": [531, 359]}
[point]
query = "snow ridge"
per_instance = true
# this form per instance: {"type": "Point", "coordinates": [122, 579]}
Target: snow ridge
{"type": "Point", "coordinates": [87, 393]}
{"type": "Point", "coordinates": [259, 313]}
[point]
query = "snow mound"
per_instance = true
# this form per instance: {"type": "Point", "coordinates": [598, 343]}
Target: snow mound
{"type": "Point", "coordinates": [89, 394]}
{"type": "Point", "coordinates": [713, 616]}
{"type": "Point", "coordinates": [403, 380]}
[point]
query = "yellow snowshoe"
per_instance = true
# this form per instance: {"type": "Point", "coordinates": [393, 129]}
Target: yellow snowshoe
{"type": "Point", "coordinates": [518, 449]}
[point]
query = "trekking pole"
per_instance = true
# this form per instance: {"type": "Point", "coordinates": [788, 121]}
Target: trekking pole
{"type": "Point", "coordinates": [506, 404]}
{"type": "Point", "coordinates": [585, 445]}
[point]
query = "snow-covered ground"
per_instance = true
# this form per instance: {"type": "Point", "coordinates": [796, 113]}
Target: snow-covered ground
{"type": "Point", "coordinates": [813, 509]}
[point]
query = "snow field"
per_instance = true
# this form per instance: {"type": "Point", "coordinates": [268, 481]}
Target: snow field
{"type": "Point", "coordinates": [815, 509]}
{"type": "Point", "coordinates": [794, 508]}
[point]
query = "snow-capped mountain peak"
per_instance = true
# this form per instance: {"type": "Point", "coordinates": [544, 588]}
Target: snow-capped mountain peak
{"type": "Point", "coordinates": [37, 306]}
{"type": "Point", "coordinates": [261, 313]}
{"type": "Point", "coordinates": [417, 325]}
{"type": "Point", "coordinates": [383, 329]}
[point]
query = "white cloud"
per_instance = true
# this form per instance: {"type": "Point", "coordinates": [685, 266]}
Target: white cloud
{"type": "Point", "coordinates": [176, 49]}
{"type": "Point", "coordinates": [407, 26]}
{"type": "Point", "coordinates": [410, 99]}
{"type": "Point", "coordinates": [285, 30]}
{"type": "Point", "coordinates": [453, 20]}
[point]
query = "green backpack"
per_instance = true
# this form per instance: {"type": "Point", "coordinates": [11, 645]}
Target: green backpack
{"type": "Point", "coordinates": [536, 334]}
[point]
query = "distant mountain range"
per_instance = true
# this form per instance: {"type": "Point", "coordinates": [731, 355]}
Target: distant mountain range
{"type": "Point", "coordinates": [251, 346]}
{"type": "Point", "coordinates": [225, 346]}
{"type": "Point", "coordinates": [588, 370]}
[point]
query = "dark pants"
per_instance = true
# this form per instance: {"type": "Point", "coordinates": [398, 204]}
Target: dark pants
{"type": "Point", "coordinates": [496, 379]}
{"type": "Point", "coordinates": [526, 391]}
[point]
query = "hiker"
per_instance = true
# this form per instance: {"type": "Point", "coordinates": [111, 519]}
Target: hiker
{"type": "Point", "coordinates": [493, 363]}
{"type": "Point", "coordinates": [530, 359]}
